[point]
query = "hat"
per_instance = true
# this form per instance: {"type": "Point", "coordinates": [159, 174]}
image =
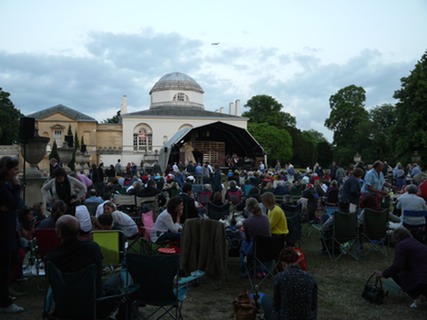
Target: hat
{"type": "Point", "coordinates": [191, 178]}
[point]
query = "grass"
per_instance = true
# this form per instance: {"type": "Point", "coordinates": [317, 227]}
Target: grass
{"type": "Point", "coordinates": [340, 284]}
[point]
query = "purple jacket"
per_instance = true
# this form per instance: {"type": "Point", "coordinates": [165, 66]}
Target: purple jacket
{"type": "Point", "coordinates": [409, 268]}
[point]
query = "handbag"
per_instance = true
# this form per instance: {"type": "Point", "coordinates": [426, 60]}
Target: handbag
{"type": "Point", "coordinates": [244, 308]}
{"type": "Point", "coordinates": [373, 292]}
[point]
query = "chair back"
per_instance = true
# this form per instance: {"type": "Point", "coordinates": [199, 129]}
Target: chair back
{"type": "Point", "coordinates": [125, 200]}
{"type": "Point", "coordinates": [291, 210]}
{"type": "Point", "coordinates": [268, 248]}
{"type": "Point", "coordinates": [155, 276]}
{"type": "Point", "coordinates": [204, 197]}
{"type": "Point", "coordinates": [218, 212]}
{"type": "Point", "coordinates": [148, 222]}
{"type": "Point", "coordinates": [375, 223]}
{"type": "Point", "coordinates": [234, 197]}
{"type": "Point", "coordinates": [74, 293]}
{"type": "Point", "coordinates": [111, 243]}
{"type": "Point", "coordinates": [91, 207]}
{"type": "Point", "coordinates": [345, 226]}
{"type": "Point", "coordinates": [47, 240]}
{"type": "Point", "coordinates": [140, 201]}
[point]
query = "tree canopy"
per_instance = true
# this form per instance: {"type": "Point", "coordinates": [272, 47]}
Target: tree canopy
{"type": "Point", "coordinates": [410, 128]}
{"type": "Point", "coordinates": [115, 119]}
{"type": "Point", "coordinates": [9, 115]}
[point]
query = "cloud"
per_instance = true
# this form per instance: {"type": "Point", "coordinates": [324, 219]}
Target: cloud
{"type": "Point", "coordinates": [130, 64]}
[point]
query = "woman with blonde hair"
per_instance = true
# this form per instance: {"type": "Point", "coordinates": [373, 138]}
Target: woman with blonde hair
{"type": "Point", "coordinates": [276, 216]}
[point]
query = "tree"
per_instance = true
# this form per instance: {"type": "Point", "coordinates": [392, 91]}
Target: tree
{"type": "Point", "coordinates": [264, 108]}
{"type": "Point", "coordinates": [347, 111]}
{"type": "Point", "coordinates": [54, 153]}
{"type": "Point", "coordinates": [76, 141]}
{"type": "Point", "coordinates": [410, 129]}
{"type": "Point", "coordinates": [9, 115]}
{"type": "Point", "coordinates": [115, 119]}
{"type": "Point", "coordinates": [276, 142]}
{"type": "Point", "coordinates": [325, 153]}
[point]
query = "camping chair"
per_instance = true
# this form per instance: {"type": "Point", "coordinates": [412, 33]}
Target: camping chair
{"type": "Point", "coordinates": [46, 240]}
{"type": "Point", "coordinates": [125, 202]}
{"type": "Point", "coordinates": [330, 208]}
{"type": "Point", "coordinates": [156, 276]}
{"type": "Point", "coordinates": [203, 197]}
{"type": "Point", "coordinates": [91, 207]}
{"type": "Point", "coordinates": [265, 258]}
{"type": "Point", "coordinates": [218, 212]}
{"type": "Point", "coordinates": [112, 244]}
{"type": "Point", "coordinates": [344, 238]}
{"type": "Point", "coordinates": [234, 197]}
{"type": "Point", "coordinates": [375, 230]}
{"type": "Point", "coordinates": [418, 231]}
{"type": "Point", "coordinates": [74, 296]}
{"type": "Point", "coordinates": [142, 243]}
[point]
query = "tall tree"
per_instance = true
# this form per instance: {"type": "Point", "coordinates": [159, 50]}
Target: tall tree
{"type": "Point", "coordinates": [411, 125]}
{"type": "Point", "coordinates": [276, 142]}
{"type": "Point", "coordinates": [115, 119]}
{"type": "Point", "coordinates": [54, 153]}
{"type": "Point", "coordinates": [9, 115]}
{"type": "Point", "coordinates": [264, 108]}
{"type": "Point", "coordinates": [347, 113]}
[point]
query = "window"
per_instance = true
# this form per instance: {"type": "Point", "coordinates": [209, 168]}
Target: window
{"type": "Point", "coordinates": [57, 135]}
{"type": "Point", "coordinates": [142, 138]}
{"type": "Point", "coordinates": [181, 97]}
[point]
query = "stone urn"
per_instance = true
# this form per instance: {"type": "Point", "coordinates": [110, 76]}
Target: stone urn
{"type": "Point", "coordinates": [33, 152]}
{"type": "Point", "coordinates": [65, 154]}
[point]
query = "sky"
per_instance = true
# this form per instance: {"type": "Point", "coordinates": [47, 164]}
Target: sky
{"type": "Point", "coordinates": [87, 54]}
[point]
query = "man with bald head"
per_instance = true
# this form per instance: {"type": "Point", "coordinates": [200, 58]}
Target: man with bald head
{"type": "Point", "coordinates": [72, 254]}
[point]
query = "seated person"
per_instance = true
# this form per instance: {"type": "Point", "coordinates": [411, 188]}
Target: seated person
{"type": "Point", "coordinates": [93, 197]}
{"type": "Point", "coordinates": [370, 201]}
{"type": "Point", "coordinates": [282, 188]}
{"type": "Point", "coordinates": [217, 199]}
{"type": "Point", "coordinates": [82, 214]}
{"type": "Point", "coordinates": [411, 201]}
{"type": "Point", "coordinates": [232, 188]}
{"type": "Point", "coordinates": [151, 191]}
{"type": "Point", "coordinates": [167, 226]}
{"type": "Point", "coordinates": [190, 209]}
{"type": "Point", "coordinates": [59, 208]}
{"type": "Point", "coordinates": [327, 227]}
{"type": "Point", "coordinates": [276, 216]}
{"type": "Point", "coordinates": [122, 221]}
{"type": "Point", "coordinates": [409, 266]}
{"type": "Point", "coordinates": [285, 303]}
{"type": "Point", "coordinates": [73, 255]}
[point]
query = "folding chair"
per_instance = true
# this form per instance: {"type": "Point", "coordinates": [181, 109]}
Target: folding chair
{"type": "Point", "coordinates": [46, 240]}
{"type": "Point", "coordinates": [74, 296]}
{"type": "Point", "coordinates": [112, 244]}
{"type": "Point", "coordinates": [125, 202]}
{"type": "Point", "coordinates": [265, 258]}
{"type": "Point", "coordinates": [234, 197]}
{"type": "Point", "coordinates": [159, 286]}
{"type": "Point", "coordinates": [142, 243]}
{"type": "Point", "coordinates": [375, 224]}
{"type": "Point", "coordinates": [344, 236]}
{"type": "Point", "coordinates": [203, 197]}
{"type": "Point", "coordinates": [218, 212]}
{"type": "Point", "coordinates": [418, 231]}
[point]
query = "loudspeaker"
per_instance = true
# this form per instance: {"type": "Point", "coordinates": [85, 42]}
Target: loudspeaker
{"type": "Point", "coordinates": [26, 129]}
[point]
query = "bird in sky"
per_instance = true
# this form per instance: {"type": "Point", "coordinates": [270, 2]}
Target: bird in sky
{"type": "Point", "coordinates": [215, 43]}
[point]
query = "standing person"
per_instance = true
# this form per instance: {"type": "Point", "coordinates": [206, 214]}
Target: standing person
{"type": "Point", "coordinates": [351, 190]}
{"type": "Point", "coordinates": [216, 180]}
{"type": "Point", "coordinates": [118, 168]}
{"type": "Point", "coordinates": [65, 188]}
{"type": "Point", "coordinates": [294, 291]}
{"type": "Point", "coordinates": [409, 266]}
{"type": "Point", "coordinates": [98, 181]}
{"type": "Point", "coordinates": [332, 170]}
{"type": "Point", "coordinates": [374, 182]}
{"type": "Point", "coordinates": [10, 202]}
{"type": "Point", "coordinates": [339, 174]}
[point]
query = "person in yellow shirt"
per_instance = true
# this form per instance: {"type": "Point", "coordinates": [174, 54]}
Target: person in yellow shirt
{"type": "Point", "coordinates": [276, 216]}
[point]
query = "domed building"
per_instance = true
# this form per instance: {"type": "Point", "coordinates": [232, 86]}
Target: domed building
{"type": "Point", "coordinates": [177, 128]}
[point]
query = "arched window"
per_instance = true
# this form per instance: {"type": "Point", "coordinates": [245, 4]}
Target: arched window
{"type": "Point", "coordinates": [180, 97]}
{"type": "Point", "coordinates": [142, 138]}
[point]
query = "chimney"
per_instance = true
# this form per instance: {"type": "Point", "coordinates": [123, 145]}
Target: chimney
{"type": "Point", "coordinates": [221, 110]}
{"type": "Point", "coordinates": [124, 105]}
{"type": "Point", "coordinates": [237, 110]}
{"type": "Point", "coordinates": [231, 108]}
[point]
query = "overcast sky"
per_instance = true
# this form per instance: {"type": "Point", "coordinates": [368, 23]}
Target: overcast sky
{"type": "Point", "coordinates": [88, 54]}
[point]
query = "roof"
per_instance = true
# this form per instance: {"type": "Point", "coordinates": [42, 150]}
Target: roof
{"type": "Point", "coordinates": [76, 115]}
{"type": "Point", "coordinates": [237, 140]}
{"type": "Point", "coordinates": [176, 81]}
{"type": "Point", "coordinates": [179, 111]}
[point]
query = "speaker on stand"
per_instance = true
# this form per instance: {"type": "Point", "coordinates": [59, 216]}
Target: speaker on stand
{"type": "Point", "coordinates": [26, 133]}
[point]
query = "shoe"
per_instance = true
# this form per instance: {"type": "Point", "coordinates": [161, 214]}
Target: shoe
{"type": "Point", "coordinates": [418, 302]}
{"type": "Point", "coordinates": [13, 308]}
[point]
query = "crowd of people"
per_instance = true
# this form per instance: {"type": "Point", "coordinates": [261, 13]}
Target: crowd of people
{"type": "Point", "coordinates": [176, 192]}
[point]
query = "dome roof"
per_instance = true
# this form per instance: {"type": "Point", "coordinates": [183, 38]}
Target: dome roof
{"type": "Point", "coordinates": [176, 81]}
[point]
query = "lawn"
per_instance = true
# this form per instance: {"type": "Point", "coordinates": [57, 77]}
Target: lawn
{"type": "Point", "coordinates": [340, 284]}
